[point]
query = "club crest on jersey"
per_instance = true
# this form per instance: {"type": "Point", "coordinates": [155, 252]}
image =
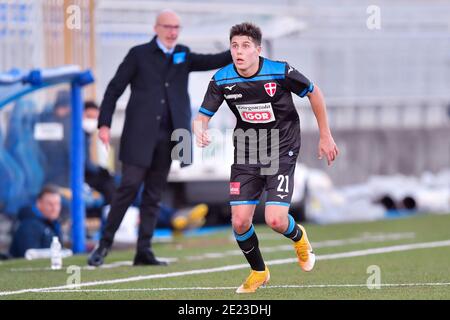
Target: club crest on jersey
{"type": "Point", "coordinates": [271, 88]}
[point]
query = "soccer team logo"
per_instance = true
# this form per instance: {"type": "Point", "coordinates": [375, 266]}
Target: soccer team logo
{"type": "Point", "coordinates": [235, 188]}
{"type": "Point", "coordinates": [271, 88]}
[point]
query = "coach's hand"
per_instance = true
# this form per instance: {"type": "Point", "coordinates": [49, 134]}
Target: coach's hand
{"type": "Point", "coordinates": [104, 134]}
{"type": "Point", "coordinates": [328, 148]}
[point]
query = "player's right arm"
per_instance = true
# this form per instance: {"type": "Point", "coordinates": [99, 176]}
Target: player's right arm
{"type": "Point", "coordinates": [211, 103]}
{"type": "Point", "coordinates": [200, 127]}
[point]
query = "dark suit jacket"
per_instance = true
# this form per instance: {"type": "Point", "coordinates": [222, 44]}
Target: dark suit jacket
{"type": "Point", "coordinates": [155, 85]}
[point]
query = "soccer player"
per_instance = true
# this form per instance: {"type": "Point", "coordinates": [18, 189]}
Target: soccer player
{"type": "Point", "coordinates": [258, 92]}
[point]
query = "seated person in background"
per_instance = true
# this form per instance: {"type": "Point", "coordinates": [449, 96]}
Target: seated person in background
{"type": "Point", "coordinates": [38, 224]}
{"type": "Point", "coordinates": [95, 176]}
{"type": "Point", "coordinates": [57, 152]}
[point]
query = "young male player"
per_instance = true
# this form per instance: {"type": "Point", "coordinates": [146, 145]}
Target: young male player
{"type": "Point", "coordinates": [258, 92]}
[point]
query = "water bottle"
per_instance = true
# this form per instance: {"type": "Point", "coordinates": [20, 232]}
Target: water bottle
{"type": "Point", "coordinates": [56, 256]}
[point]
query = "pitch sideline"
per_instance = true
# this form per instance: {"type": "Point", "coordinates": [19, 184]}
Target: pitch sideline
{"type": "Point", "coordinates": [349, 254]}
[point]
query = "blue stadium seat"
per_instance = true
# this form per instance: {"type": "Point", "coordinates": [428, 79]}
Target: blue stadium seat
{"type": "Point", "coordinates": [11, 184]}
{"type": "Point", "coordinates": [22, 146]}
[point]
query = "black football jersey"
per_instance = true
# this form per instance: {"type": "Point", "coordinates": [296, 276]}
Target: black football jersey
{"type": "Point", "coordinates": [261, 103]}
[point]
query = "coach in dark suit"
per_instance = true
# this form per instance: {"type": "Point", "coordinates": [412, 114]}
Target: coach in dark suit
{"type": "Point", "coordinates": [159, 103]}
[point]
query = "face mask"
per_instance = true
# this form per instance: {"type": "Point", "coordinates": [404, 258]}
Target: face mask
{"type": "Point", "coordinates": [90, 125]}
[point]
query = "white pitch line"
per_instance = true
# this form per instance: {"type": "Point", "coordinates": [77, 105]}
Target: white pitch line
{"type": "Point", "coordinates": [365, 238]}
{"type": "Point", "coordinates": [306, 286]}
{"type": "Point", "coordinates": [333, 256]}
{"type": "Point", "coordinates": [104, 266]}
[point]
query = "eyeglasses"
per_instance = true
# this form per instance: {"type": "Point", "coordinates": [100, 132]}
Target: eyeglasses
{"type": "Point", "coordinates": [170, 27]}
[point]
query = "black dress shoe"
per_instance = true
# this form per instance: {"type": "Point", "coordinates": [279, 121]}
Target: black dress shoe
{"type": "Point", "coordinates": [97, 256]}
{"type": "Point", "coordinates": [147, 258]}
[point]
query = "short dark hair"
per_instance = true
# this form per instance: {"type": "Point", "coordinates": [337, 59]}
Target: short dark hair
{"type": "Point", "coordinates": [48, 189]}
{"type": "Point", "coordinates": [247, 29]}
{"type": "Point", "coordinates": [90, 105]}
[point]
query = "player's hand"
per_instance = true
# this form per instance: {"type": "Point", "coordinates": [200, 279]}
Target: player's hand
{"type": "Point", "coordinates": [328, 148]}
{"type": "Point", "coordinates": [104, 134]}
{"type": "Point", "coordinates": [202, 138]}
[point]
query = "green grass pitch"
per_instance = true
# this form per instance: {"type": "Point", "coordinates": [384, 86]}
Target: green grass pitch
{"type": "Point", "coordinates": [413, 260]}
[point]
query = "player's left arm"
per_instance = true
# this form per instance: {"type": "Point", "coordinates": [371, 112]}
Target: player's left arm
{"type": "Point", "coordinates": [302, 86]}
{"type": "Point", "coordinates": [327, 146]}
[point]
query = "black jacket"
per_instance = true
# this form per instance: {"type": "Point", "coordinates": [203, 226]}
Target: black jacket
{"type": "Point", "coordinates": [156, 84]}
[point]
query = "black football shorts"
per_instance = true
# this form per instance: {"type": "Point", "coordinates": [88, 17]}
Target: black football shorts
{"type": "Point", "coordinates": [247, 184]}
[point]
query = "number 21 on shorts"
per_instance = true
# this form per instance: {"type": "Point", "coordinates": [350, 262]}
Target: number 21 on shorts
{"type": "Point", "coordinates": [284, 180]}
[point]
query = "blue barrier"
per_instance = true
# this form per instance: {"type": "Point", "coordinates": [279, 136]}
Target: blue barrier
{"type": "Point", "coordinates": [28, 82]}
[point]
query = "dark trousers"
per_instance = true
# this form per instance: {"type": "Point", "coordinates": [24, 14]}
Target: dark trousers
{"type": "Point", "coordinates": [155, 180]}
{"type": "Point", "coordinates": [102, 182]}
